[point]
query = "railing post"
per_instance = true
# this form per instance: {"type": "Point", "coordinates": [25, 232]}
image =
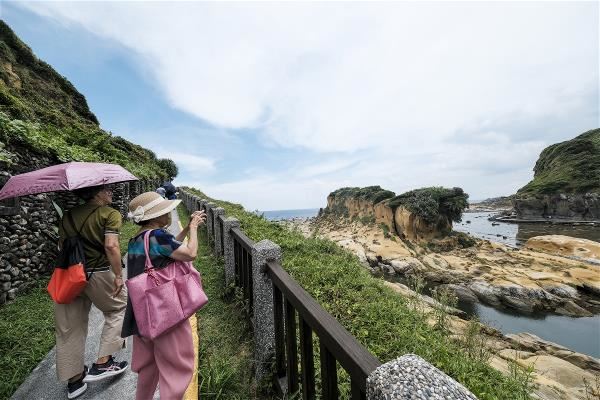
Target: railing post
{"type": "Point", "coordinates": [228, 254]}
{"type": "Point", "coordinates": [202, 202]}
{"type": "Point", "coordinates": [184, 199]}
{"type": "Point", "coordinates": [187, 200]}
{"type": "Point", "coordinates": [410, 377]}
{"type": "Point", "coordinates": [210, 221]}
{"type": "Point", "coordinates": [264, 325]}
{"type": "Point", "coordinates": [217, 212]}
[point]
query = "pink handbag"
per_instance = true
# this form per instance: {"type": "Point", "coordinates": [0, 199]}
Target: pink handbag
{"type": "Point", "coordinates": [163, 298]}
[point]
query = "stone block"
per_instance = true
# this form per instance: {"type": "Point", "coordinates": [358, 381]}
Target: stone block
{"type": "Point", "coordinates": [411, 377]}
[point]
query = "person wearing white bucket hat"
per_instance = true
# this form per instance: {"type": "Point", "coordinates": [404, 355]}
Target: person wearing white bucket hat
{"type": "Point", "coordinates": [169, 359]}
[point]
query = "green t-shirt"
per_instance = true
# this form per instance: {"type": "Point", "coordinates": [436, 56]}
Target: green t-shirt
{"type": "Point", "coordinates": [105, 220]}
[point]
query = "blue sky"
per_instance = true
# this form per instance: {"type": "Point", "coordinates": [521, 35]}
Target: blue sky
{"type": "Point", "coordinates": [276, 105]}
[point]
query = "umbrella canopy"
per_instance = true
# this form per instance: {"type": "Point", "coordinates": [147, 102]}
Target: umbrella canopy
{"type": "Point", "coordinates": [68, 176]}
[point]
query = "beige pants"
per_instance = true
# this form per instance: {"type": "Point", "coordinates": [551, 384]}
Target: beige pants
{"type": "Point", "coordinates": [71, 324]}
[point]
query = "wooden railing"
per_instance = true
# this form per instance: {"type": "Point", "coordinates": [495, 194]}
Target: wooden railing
{"type": "Point", "coordinates": [242, 250]}
{"type": "Point", "coordinates": [336, 344]}
{"type": "Point", "coordinates": [294, 309]}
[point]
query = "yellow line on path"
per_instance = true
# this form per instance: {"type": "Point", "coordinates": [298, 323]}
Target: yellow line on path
{"type": "Point", "coordinates": [192, 391]}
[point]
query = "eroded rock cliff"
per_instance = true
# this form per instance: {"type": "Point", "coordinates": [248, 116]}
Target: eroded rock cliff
{"type": "Point", "coordinates": [421, 214]}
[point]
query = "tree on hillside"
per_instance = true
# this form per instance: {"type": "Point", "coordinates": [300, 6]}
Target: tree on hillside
{"type": "Point", "coordinates": [169, 167]}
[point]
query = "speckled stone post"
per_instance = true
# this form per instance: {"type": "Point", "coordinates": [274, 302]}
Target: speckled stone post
{"type": "Point", "coordinates": [228, 225]}
{"type": "Point", "coordinates": [210, 222]}
{"type": "Point", "coordinates": [185, 197]}
{"type": "Point", "coordinates": [411, 377]}
{"type": "Point", "coordinates": [202, 202]}
{"type": "Point", "coordinates": [264, 325]}
{"type": "Point", "coordinates": [199, 203]}
{"type": "Point", "coordinates": [218, 246]}
{"type": "Point", "coordinates": [188, 201]}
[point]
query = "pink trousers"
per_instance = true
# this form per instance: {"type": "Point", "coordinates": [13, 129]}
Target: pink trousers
{"type": "Point", "coordinates": [167, 360]}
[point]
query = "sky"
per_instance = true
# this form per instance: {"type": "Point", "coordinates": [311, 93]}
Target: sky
{"type": "Point", "coordinates": [275, 105]}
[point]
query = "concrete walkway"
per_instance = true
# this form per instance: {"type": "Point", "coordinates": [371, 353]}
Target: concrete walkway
{"type": "Point", "coordinates": [42, 383]}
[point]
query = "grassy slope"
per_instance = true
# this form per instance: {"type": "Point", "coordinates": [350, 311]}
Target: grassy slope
{"type": "Point", "coordinates": [42, 110]}
{"type": "Point", "coordinates": [572, 166]}
{"type": "Point", "coordinates": [26, 336]}
{"type": "Point", "coordinates": [381, 320]}
{"type": "Point", "coordinates": [225, 342]}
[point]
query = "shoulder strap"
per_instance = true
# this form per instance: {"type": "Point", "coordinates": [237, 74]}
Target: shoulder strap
{"type": "Point", "coordinates": [78, 231]}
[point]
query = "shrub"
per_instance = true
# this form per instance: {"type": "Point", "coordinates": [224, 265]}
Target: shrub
{"type": "Point", "coordinates": [433, 202]}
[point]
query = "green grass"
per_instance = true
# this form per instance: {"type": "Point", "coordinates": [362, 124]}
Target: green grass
{"type": "Point", "coordinates": [225, 358]}
{"type": "Point", "coordinates": [382, 321]}
{"type": "Point", "coordinates": [26, 336]}
{"type": "Point", "coordinates": [128, 229]}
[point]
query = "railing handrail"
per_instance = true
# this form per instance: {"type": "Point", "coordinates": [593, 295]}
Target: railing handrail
{"type": "Point", "coordinates": [241, 237]}
{"type": "Point", "coordinates": [351, 355]}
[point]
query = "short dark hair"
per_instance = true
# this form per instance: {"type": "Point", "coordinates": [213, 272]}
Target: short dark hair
{"type": "Point", "coordinates": [88, 193]}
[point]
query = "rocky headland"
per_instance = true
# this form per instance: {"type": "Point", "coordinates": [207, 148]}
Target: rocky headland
{"type": "Point", "coordinates": [566, 182]}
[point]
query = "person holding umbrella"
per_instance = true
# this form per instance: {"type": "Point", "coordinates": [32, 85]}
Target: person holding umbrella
{"type": "Point", "coordinates": [98, 225]}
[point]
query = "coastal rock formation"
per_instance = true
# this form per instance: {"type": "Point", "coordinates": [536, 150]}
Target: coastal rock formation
{"type": "Point", "coordinates": [414, 227]}
{"type": "Point", "coordinates": [566, 183]}
{"type": "Point", "coordinates": [520, 279]}
{"type": "Point", "coordinates": [559, 206]}
{"type": "Point", "coordinates": [584, 249]}
{"type": "Point", "coordinates": [420, 215]}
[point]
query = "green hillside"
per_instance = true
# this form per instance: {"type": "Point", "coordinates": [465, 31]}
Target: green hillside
{"type": "Point", "coordinates": [572, 166]}
{"type": "Point", "coordinates": [41, 110]}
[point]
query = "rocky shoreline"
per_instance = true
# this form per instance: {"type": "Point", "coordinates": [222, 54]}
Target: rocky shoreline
{"type": "Point", "coordinates": [559, 373]}
{"type": "Point", "coordinates": [526, 280]}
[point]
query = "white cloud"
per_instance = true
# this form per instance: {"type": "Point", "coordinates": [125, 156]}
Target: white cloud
{"type": "Point", "coordinates": [189, 162]}
{"type": "Point", "coordinates": [414, 93]}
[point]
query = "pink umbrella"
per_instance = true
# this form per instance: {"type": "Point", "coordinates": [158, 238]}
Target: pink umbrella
{"type": "Point", "coordinates": [69, 176]}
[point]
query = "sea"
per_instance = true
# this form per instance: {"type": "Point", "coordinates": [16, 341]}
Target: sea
{"type": "Point", "coordinates": [279, 215]}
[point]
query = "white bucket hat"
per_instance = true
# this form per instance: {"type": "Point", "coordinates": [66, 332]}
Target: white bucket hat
{"type": "Point", "coordinates": [149, 205]}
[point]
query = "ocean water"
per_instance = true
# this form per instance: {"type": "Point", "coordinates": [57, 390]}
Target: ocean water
{"type": "Point", "coordinates": [278, 215]}
{"type": "Point", "coordinates": [516, 234]}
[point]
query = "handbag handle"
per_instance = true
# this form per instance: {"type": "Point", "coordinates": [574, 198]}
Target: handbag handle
{"type": "Point", "coordinates": [148, 265]}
